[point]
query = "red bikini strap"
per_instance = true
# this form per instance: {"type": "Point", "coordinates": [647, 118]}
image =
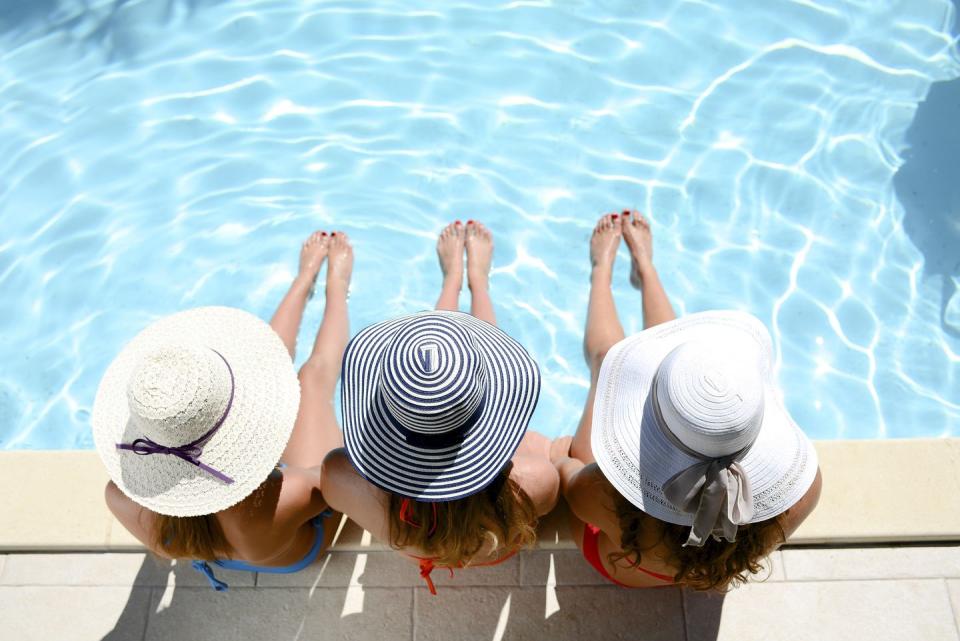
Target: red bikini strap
{"type": "Point", "coordinates": [405, 513]}
{"type": "Point", "coordinates": [426, 567]}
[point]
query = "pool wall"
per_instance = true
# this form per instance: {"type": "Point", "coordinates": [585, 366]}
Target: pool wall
{"type": "Point", "coordinates": [875, 491]}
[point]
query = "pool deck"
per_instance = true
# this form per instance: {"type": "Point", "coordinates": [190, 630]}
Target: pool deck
{"type": "Point", "coordinates": [879, 559]}
{"type": "Point", "coordinates": [895, 593]}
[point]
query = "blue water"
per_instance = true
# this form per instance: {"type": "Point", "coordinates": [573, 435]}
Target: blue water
{"type": "Point", "coordinates": [163, 154]}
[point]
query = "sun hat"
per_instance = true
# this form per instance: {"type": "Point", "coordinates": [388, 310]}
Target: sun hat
{"type": "Point", "coordinates": [196, 410]}
{"type": "Point", "coordinates": [690, 428]}
{"type": "Point", "coordinates": [435, 404]}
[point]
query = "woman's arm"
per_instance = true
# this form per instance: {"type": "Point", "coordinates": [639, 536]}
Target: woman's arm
{"type": "Point", "coordinates": [798, 513]}
{"type": "Point", "coordinates": [348, 492]}
{"type": "Point", "coordinates": [584, 487]}
{"type": "Point", "coordinates": [137, 519]}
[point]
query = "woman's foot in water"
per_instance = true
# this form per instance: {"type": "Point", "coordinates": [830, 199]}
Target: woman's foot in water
{"type": "Point", "coordinates": [339, 265]}
{"type": "Point", "coordinates": [636, 231]}
{"type": "Point", "coordinates": [603, 247]}
{"type": "Point", "coordinates": [479, 245]}
{"type": "Point", "coordinates": [450, 255]}
{"type": "Point", "coordinates": [312, 254]}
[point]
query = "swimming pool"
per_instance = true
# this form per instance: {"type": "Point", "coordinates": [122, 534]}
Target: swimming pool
{"type": "Point", "coordinates": [162, 154]}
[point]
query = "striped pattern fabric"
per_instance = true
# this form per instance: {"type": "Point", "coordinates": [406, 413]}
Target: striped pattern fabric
{"type": "Point", "coordinates": [435, 404]}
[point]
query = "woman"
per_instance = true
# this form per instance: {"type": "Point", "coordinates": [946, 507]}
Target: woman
{"type": "Point", "coordinates": [435, 407]}
{"type": "Point", "coordinates": [685, 467]}
{"type": "Point", "coordinates": [195, 415]}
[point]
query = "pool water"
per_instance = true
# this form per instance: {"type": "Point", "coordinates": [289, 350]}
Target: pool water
{"type": "Point", "coordinates": [163, 154]}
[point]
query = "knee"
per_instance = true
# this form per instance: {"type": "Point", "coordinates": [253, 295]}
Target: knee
{"type": "Point", "coordinates": [317, 372]}
{"type": "Point", "coordinates": [596, 355]}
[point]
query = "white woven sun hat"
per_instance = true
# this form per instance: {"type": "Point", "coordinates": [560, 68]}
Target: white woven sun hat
{"type": "Point", "coordinates": [435, 404]}
{"type": "Point", "coordinates": [689, 427]}
{"type": "Point", "coordinates": [195, 412]}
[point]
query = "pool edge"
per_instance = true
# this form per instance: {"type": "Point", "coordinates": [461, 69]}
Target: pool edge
{"type": "Point", "coordinates": [875, 491]}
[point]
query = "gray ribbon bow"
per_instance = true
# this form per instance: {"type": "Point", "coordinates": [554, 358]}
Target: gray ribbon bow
{"type": "Point", "coordinates": [715, 490]}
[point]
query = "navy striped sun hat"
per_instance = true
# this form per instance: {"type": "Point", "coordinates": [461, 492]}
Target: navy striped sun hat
{"type": "Point", "coordinates": [435, 404]}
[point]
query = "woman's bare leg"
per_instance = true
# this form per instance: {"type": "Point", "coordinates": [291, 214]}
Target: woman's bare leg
{"type": "Point", "coordinates": [316, 431]}
{"type": "Point", "coordinates": [286, 320]}
{"type": "Point", "coordinates": [450, 255]}
{"type": "Point", "coordinates": [479, 244]}
{"type": "Point", "coordinates": [603, 326]}
{"type": "Point", "coordinates": [643, 275]}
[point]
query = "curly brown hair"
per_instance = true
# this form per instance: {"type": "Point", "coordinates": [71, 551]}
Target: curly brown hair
{"type": "Point", "coordinates": [452, 532]}
{"type": "Point", "coordinates": [717, 566]}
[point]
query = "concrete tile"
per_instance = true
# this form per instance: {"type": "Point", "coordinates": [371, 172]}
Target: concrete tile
{"type": "Point", "coordinates": [75, 613]}
{"type": "Point", "coordinates": [875, 610]}
{"type": "Point", "coordinates": [61, 506]}
{"type": "Point", "coordinates": [108, 569]}
{"type": "Point", "coordinates": [280, 613]}
{"type": "Point", "coordinates": [953, 587]}
{"type": "Point", "coordinates": [862, 479]}
{"type": "Point", "coordinates": [569, 568]}
{"type": "Point", "coordinates": [872, 563]}
{"type": "Point", "coordinates": [386, 569]}
{"type": "Point", "coordinates": [591, 612]}
{"type": "Point", "coordinates": [95, 569]}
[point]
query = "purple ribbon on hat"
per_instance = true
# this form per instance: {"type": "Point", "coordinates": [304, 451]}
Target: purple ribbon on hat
{"type": "Point", "coordinates": [191, 451]}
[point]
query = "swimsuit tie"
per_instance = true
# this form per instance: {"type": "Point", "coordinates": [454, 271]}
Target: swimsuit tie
{"type": "Point", "coordinates": [204, 568]}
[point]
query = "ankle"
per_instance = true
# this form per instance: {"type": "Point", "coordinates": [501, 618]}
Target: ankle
{"type": "Point", "coordinates": [452, 283]}
{"type": "Point", "coordinates": [601, 274]}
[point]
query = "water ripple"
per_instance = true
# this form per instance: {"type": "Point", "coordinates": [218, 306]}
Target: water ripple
{"type": "Point", "coordinates": [160, 154]}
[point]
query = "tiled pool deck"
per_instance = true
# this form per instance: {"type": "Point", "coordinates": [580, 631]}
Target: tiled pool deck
{"type": "Point", "coordinates": [904, 593]}
{"type": "Point", "coordinates": [67, 571]}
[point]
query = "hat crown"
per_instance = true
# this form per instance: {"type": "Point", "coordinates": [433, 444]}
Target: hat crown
{"type": "Point", "coordinates": [177, 393]}
{"type": "Point", "coordinates": [710, 397]}
{"type": "Point", "coordinates": [433, 378]}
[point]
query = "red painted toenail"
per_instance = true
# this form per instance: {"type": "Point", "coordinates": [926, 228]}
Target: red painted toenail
{"type": "Point", "coordinates": [614, 216]}
{"type": "Point", "coordinates": [626, 212]}
{"type": "Point", "coordinates": [334, 234]}
{"type": "Point", "coordinates": [469, 222]}
{"type": "Point", "coordinates": [323, 233]}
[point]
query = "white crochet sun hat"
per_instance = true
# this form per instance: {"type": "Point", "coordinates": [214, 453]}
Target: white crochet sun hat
{"type": "Point", "coordinates": [196, 410]}
{"type": "Point", "coordinates": [688, 409]}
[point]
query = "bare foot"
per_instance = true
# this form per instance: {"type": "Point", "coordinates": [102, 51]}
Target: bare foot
{"type": "Point", "coordinates": [604, 243]}
{"type": "Point", "coordinates": [312, 255]}
{"type": "Point", "coordinates": [450, 254]}
{"type": "Point", "coordinates": [340, 265]}
{"type": "Point", "coordinates": [636, 231]}
{"type": "Point", "coordinates": [479, 243]}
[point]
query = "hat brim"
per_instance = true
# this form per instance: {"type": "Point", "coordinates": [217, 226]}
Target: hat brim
{"type": "Point", "coordinates": [245, 448]}
{"type": "Point", "coordinates": [637, 458]}
{"type": "Point", "coordinates": [387, 456]}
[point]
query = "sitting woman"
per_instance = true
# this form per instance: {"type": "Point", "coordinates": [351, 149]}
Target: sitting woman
{"type": "Point", "coordinates": [685, 467]}
{"type": "Point", "coordinates": [435, 407]}
{"type": "Point", "coordinates": [195, 415]}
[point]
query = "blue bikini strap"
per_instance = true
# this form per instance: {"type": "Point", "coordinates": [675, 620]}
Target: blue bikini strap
{"type": "Point", "coordinates": [204, 568]}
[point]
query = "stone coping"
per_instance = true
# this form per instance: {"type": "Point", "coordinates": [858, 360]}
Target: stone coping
{"type": "Point", "coordinates": [875, 491]}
